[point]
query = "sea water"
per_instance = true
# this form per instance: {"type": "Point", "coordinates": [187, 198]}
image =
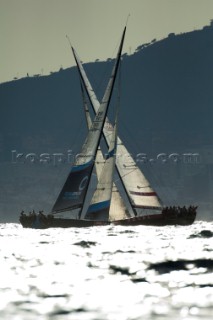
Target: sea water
{"type": "Point", "coordinates": [109, 273]}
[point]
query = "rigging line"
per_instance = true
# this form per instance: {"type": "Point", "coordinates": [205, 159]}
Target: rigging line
{"type": "Point", "coordinates": [113, 52]}
{"type": "Point", "coordinates": [128, 173]}
{"type": "Point", "coordinates": [103, 77]}
{"type": "Point", "coordinates": [129, 137]}
{"type": "Point", "coordinates": [79, 132]}
{"type": "Point", "coordinates": [127, 19]}
{"type": "Point", "coordinates": [158, 181]}
{"type": "Point", "coordinates": [117, 104]}
{"type": "Point", "coordinates": [97, 84]}
{"type": "Point", "coordinates": [135, 147]}
{"type": "Point", "coordinates": [119, 88]}
{"type": "Point", "coordinates": [68, 39]}
{"type": "Point", "coordinates": [149, 171]}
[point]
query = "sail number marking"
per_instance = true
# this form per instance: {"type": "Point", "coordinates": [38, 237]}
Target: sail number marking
{"type": "Point", "coordinates": [83, 183]}
{"type": "Point", "coordinates": [76, 194]}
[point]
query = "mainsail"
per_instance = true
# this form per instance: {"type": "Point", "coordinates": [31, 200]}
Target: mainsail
{"type": "Point", "coordinates": [74, 191]}
{"type": "Point", "coordinates": [100, 203]}
{"type": "Point", "coordinates": [140, 193]}
{"type": "Point", "coordinates": [117, 209]}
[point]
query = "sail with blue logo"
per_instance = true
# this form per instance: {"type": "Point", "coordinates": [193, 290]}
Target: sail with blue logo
{"type": "Point", "coordinates": [74, 191]}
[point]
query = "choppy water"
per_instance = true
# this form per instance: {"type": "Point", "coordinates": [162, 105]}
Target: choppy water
{"type": "Point", "coordinates": [110, 273]}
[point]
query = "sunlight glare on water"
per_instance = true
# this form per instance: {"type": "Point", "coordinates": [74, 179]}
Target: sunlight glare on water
{"type": "Point", "coordinates": [110, 273]}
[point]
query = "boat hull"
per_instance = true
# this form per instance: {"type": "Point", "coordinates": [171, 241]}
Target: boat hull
{"type": "Point", "coordinates": [158, 220]}
{"type": "Point", "coordinates": [147, 220]}
{"type": "Point", "coordinates": [61, 223]}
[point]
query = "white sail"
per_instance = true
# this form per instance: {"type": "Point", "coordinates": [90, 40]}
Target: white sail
{"type": "Point", "coordinates": [101, 200]}
{"type": "Point", "coordinates": [140, 193]}
{"type": "Point", "coordinates": [117, 209]}
{"type": "Point", "coordinates": [74, 191]}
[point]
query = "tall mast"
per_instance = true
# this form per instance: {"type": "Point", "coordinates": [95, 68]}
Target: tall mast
{"type": "Point", "coordinates": [74, 191]}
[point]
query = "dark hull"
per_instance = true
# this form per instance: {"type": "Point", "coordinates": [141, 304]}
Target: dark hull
{"type": "Point", "coordinates": [158, 220]}
{"type": "Point", "coordinates": [62, 223]}
{"type": "Point", "coordinates": [148, 220]}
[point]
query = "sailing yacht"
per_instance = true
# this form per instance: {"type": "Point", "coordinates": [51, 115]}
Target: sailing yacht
{"type": "Point", "coordinates": [106, 206]}
{"type": "Point", "coordinates": [147, 207]}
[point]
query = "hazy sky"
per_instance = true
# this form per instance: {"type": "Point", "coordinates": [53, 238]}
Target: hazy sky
{"type": "Point", "coordinates": [33, 32]}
